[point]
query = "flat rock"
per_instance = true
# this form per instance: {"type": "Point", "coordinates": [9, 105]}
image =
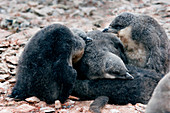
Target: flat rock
{"type": "Point", "coordinates": [10, 101]}
{"type": "Point", "coordinates": [41, 104]}
{"type": "Point", "coordinates": [12, 72]}
{"type": "Point", "coordinates": [6, 110]}
{"type": "Point", "coordinates": [23, 36]}
{"type": "Point", "coordinates": [88, 10]}
{"type": "Point", "coordinates": [4, 43]}
{"type": "Point", "coordinates": [161, 2]}
{"type": "Point", "coordinates": [28, 15]}
{"type": "Point", "coordinates": [33, 99]}
{"type": "Point", "coordinates": [2, 79]}
{"type": "Point", "coordinates": [62, 6]}
{"type": "Point", "coordinates": [12, 80]}
{"type": "Point", "coordinates": [45, 11]}
{"type": "Point", "coordinates": [12, 59]}
{"type": "Point", "coordinates": [5, 76]}
{"type": "Point", "coordinates": [32, 4]}
{"type": "Point", "coordinates": [25, 108]}
{"type": "Point", "coordinates": [11, 66]}
{"type": "Point", "coordinates": [114, 111]}
{"type": "Point", "coordinates": [4, 87]}
{"type": "Point", "coordinates": [4, 33]}
{"type": "Point", "coordinates": [2, 71]}
{"type": "Point", "coordinates": [73, 97]}
{"type": "Point", "coordinates": [47, 109]}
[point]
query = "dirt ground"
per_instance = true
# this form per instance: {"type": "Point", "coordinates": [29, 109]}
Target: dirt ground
{"type": "Point", "coordinates": [21, 19]}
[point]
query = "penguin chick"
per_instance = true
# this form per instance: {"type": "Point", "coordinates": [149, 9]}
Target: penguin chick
{"type": "Point", "coordinates": [101, 58]}
{"type": "Point", "coordinates": [122, 92]}
{"type": "Point", "coordinates": [115, 67]}
{"type": "Point", "coordinates": [81, 34]}
{"type": "Point", "coordinates": [45, 66]}
{"type": "Point", "coordinates": [79, 50]}
{"type": "Point", "coordinates": [160, 100]}
{"type": "Point", "coordinates": [112, 43]}
{"type": "Point", "coordinates": [145, 41]}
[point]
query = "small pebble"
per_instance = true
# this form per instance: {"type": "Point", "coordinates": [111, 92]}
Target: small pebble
{"type": "Point", "coordinates": [12, 80]}
{"type": "Point", "coordinates": [33, 99]}
{"type": "Point", "coordinates": [57, 104]}
{"type": "Point", "coordinates": [47, 109]}
{"type": "Point", "coordinates": [2, 79]}
{"type": "Point", "coordinates": [114, 111]}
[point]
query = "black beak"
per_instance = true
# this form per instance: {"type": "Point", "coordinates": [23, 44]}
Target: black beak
{"type": "Point", "coordinates": [129, 76]}
{"type": "Point", "coordinates": [88, 39]}
{"type": "Point", "coordinates": [105, 30]}
{"type": "Point", "coordinates": [110, 30]}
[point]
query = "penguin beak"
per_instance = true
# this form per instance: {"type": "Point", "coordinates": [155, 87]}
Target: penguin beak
{"type": "Point", "coordinates": [129, 76]}
{"type": "Point", "coordinates": [110, 30]}
{"type": "Point", "coordinates": [88, 39]}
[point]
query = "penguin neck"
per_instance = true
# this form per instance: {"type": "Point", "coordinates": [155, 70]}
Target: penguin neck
{"type": "Point", "coordinates": [135, 51]}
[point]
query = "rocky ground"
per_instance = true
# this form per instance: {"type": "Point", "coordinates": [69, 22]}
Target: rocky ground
{"type": "Point", "coordinates": [21, 19]}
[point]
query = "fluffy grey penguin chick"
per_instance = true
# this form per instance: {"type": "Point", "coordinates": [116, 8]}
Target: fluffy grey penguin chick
{"type": "Point", "coordinates": [119, 91]}
{"type": "Point", "coordinates": [160, 100]}
{"type": "Point", "coordinates": [82, 34]}
{"type": "Point", "coordinates": [79, 49]}
{"type": "Point", "coordinates": [45, 66]}
{"type": "Point", "coordinates": [145, 41]}
{"type": "Point", "coordinates": [101, 58]}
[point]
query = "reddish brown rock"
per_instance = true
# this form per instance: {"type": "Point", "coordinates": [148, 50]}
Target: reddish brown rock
{"type": "Point", "coordinates": [25, 108]}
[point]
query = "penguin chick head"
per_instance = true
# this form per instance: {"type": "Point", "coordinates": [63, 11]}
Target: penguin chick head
{"type": "Point", "coordinates": [81, 39]}
{"type": "Point", "coordinates": [115, 67]}
{"type": "Point", "coordinates": [120, 22]}
{"type": "Point", "coordinates": [82, 34]}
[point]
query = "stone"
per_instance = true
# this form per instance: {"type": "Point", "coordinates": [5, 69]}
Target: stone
{"type": "Point", "coordinates": [4, 33]}
{"type": "Point", "coordinates": [73, 97]}
{"type": "Point", "coordinates": [28, 15]}
{"type": "Point", "coordinates": [12, 80]}
{"type": "Point", "coordinates": [12, 72]}
{"type": "Point", "coordinates": [11, 66]}
{"type": "Point", "coordinates": [4, 87]}
{"type": "Point", "coordinates": [63, 111]}
{"type": "Point", "coordinates": [57, 104]}
{"type": "Point", "coordinates": [88, 10]}
{"type": "Point", "coordinates": [161, 2]}
{"type": "Point", "coordinates": [6, 110]}
{"type": "Point", "coordinates": [12, 59]}
{"type": "Point", "coordinates": [4, 76]}
{"type": "Point", "coordinates": [45, 11]}
{"type": "Point", "coordinates": [62, 6]}
{"type": "Point", "coordinates": [32, 99]}
{"type": "Point", "coordinates": [32, 4]}
{"type": "Point", "coordinates": [2, 79]}
{"type": "Point", "coordinates": [41, 104]}
{"type": "Point", "coordinates": [114, 111]}
{"type": "Point", "coordinates": [3, 68]}
{"type": "Point", "coordinates": [3, 49]}
{"type": "Point", "coordinates": [25, 108]}
{"type": "Point", "coordinates": [10, 101]}
{"type": "Point", "coordinates": [47, 109]}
